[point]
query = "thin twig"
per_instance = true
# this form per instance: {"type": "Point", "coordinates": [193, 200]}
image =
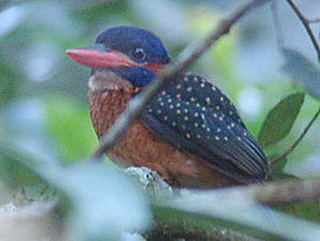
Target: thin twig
{"type": "Point", "coordinates": [306, 25]}
{"type": "Point", "coordinates": [305, 22]}
{"type": "Point", "coordinates": [136, 106]}
{"type": "Point", "coordinates": [296, 143]}
{"type": "Point", "coordinates": [316, 20]}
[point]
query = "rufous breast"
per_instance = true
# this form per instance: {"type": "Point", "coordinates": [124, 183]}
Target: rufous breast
{"type": "Point", "coordinates": [109, 96]}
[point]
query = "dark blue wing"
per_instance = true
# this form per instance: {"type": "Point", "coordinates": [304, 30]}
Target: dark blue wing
{"type": "Point", "coordinates": [196, 116]}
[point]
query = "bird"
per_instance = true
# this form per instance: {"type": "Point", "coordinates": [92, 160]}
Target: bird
{"type": "Point", "coordinates": [190, 133]}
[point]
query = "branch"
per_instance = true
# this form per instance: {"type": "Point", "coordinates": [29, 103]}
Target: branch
{"type": "Point", "coordinates": [297, 142]}
{"type": "Point", "coordinates": [285, 192]}
{"type": "Point", "coordinates": [201, 211]}
{"type": "Point", "coordinates": [199, 214]}
{"type": "Point", "coordinates": [306, 23]}
{"type": "Point", "coordinates": [316, 20]}
{"type": "Point", "coordinates": [270, 193]}
{"type": "Point", "coordinates": [136, 106]}
{"type": "Point", "coordinates": [238, 209]}
{"type": "Point", "coordinates": [186, 226]}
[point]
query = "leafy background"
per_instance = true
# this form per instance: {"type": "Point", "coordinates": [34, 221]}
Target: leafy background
{"type": "Point", "coordinates": [43, 106]}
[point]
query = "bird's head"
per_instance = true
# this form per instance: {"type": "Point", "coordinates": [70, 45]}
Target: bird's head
{"type": "Point", "coordinates": [133, 53]}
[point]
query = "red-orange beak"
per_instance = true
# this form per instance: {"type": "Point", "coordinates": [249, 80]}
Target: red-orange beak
{"type": "Point", "coordinates": [97, 57]}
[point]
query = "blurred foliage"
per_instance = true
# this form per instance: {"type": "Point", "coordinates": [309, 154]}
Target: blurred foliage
{"type": "Point", "coordinates": [203, 224]}
{"type": "Point", "coordinates": [303, 71]}
{"type": "Point", "coordinates": [9, 84]}
{"type": "Point", "coordinates": [43, 106]}
{"type": "Point", "coordinates": [307, 210]}
{"type": "Point", "coordinates": [91, 191]}
{"type": "Point", "coordinates": [16, 168]}
{"type": "Point", "coordinates": [71, 127]}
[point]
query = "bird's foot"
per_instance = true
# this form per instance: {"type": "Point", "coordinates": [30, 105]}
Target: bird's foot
{"type": "Point", "coordinates": [150, 181]}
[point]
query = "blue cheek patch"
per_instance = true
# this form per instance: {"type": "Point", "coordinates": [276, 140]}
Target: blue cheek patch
{"type": "Point", "coordinates": [137, 76]}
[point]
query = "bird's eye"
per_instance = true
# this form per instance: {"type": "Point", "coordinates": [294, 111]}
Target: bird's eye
{"type": "Point", "coordinates": [138, 54]}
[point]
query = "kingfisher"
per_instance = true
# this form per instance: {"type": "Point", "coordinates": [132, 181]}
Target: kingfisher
{"type": "Point", "coordinates": [190, 133]}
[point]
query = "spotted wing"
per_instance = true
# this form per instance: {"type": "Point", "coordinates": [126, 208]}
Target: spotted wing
{"type": "Point", "coordinates": [196, 116]}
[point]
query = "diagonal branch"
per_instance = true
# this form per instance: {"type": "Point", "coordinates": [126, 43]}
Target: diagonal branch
{"type": "Point", "coordinates": [186, 214]}
{"type": "Point", "coordinates": [189, 56]}
{"type": "Point", "coordinates": [238, 209]}
{"type": "Point", "coordinates": [238, 206]}
{"type": "Point", "coordinates": [305, 22]}
{"type": "Point", "coordinates": [297, 142]}
{"type": "Point", "coordinates": [210, 214]}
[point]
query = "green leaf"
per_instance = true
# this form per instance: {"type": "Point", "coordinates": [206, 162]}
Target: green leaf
{"type": "Point", "coordinates": [280, 119]}
{"type": "Point", "coordinates": [301, 70]}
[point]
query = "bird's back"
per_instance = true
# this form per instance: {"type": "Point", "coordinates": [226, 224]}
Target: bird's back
{"type": "Point", "coordinates": [195, 115]}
